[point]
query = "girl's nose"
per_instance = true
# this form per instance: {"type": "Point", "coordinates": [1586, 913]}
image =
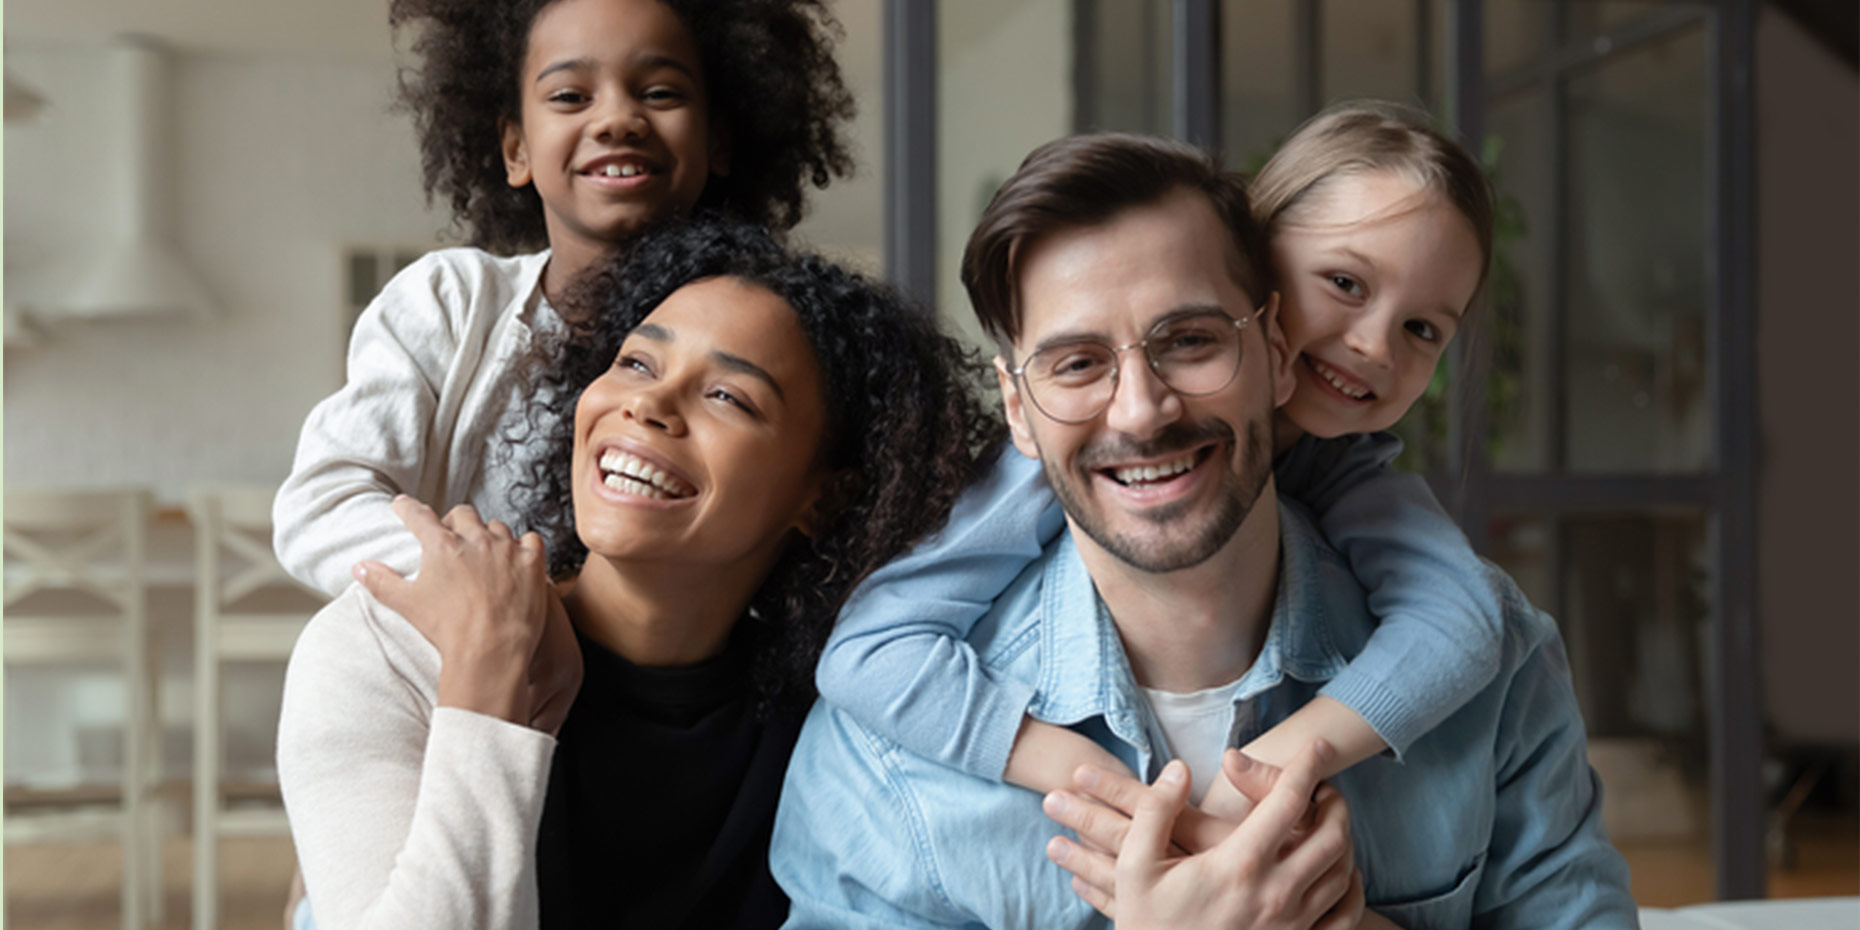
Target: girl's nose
{"type": "Point", "coordinates": [1369, 339]}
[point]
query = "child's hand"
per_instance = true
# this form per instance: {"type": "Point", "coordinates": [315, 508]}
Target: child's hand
{"type": "Point", "coordinates": [1290, 864]}
{"type": "Point", "coordinates": [483, 599]}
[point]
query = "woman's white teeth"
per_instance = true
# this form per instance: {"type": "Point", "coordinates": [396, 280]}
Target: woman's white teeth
{"type": "Point", "coordinates": [1154, 472]}
{"type": "Point", "coordinates": [629, 486]}
{"type": "Point", "coordinates": [634, 475]}
{"type": "Point", "coordinates": [622, 171]}
{"type": "Point", "coordinates": [1330, 375]}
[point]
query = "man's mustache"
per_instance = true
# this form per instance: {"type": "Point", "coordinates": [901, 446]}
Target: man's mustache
{"type": "Point", "coordinates": [1177, 437]}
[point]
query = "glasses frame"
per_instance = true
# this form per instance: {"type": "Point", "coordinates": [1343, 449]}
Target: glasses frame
{"type": "Point", "coordinates": [1117, 354]}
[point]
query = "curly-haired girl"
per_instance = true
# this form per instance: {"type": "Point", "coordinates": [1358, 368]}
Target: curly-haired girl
{"type": "Point", "coordinates": [744, 433]}
{"type": "Point", "coordinates": [553, 129]}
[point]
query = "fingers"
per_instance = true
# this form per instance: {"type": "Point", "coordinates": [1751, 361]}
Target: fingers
{"type": "Point", "coordinates": [1097, 826]}
{"type": "Point", "coordinates": [1089, 866]}
{"type": "Point", "coordinates": [421, 521]}
{"type": "Point", "coordinates": [1330, 888]}
{"type": "Point", "coordinates": [1280, 811]}
{"type": "Point", "coordinates": [1096, 897]}
{"type": "Point", "coordinates": [1348, 912]}
{"type": "Point", "coordinates": [1146, 844]}
{"type": "Point", "coordinates": [1252, 778]}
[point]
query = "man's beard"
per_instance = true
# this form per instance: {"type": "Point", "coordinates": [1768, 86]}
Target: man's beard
{"type": "Point", "coordinates": [1208, 527]}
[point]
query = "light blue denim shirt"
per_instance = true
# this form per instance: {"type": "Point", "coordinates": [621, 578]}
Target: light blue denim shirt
{"type": "Point", "coordinates": [899, 659]}
{"type": "Point", "coordinates": [1492, 820]}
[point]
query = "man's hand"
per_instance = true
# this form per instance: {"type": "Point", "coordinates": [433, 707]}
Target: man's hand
{"type": "Point", "coordinates": [1289, 864]}
{"type": "Point", "coordinates": [483, 599]}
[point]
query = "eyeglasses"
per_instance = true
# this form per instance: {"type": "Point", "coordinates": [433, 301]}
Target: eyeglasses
{"type": "Point", "coordinates": [1194, 355]}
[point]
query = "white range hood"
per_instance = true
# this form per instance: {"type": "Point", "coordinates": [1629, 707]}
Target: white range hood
{"type": "Point", "coordinates": [136, 269]}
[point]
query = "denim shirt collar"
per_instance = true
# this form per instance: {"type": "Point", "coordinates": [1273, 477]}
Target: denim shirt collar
{"type": "Point", "coordinates": [1085, 673]}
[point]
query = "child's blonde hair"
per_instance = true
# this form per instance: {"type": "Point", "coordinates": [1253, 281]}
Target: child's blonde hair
{"type": "Point", "coordinates": [1361, 136]}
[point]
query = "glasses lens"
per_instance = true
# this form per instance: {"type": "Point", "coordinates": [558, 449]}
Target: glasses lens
{"type": "Point", "coordinates": [1197, 354]}
{"type": "Point", "coordinates": [1072, 382]}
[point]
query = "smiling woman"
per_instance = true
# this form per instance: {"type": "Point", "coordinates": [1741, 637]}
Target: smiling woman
{"type": "Point", "coordinates": [739, 434]}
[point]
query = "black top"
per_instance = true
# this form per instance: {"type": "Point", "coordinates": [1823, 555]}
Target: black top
{"type": "Point", "coordinates": [662, 798]}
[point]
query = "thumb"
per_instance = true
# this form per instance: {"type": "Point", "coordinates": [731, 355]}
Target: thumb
{"type": "Point", "coordinates": [1248, 775]}
{"type": "Point", "coordinates": [384, 583]}
{"type": "Point", "coordinates": [1147, 842]}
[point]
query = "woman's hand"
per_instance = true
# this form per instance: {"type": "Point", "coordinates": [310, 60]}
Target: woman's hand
{"type": "Point", "coordinates": [483, 599]}
{"type": "Point", "coordinates": [1288, 864]}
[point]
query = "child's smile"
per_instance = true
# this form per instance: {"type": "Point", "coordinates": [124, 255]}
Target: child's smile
{"type": "Point", "coordinates": [615, 127]}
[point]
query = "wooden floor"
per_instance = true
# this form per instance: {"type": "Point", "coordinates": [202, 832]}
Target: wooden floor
{"type": "Point", "coordinates": [79, 886]}
{"type": "Point", "coordinates": [76, 887]}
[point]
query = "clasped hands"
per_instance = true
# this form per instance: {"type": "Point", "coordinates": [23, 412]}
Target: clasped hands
{"type": "Point", "coordinates": [1276, 853]}
{"type": "Point", "coordinates": [483, 598]}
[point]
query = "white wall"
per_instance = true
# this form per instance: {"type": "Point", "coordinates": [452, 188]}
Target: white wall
{"type": "Point", "coordinates": [278, 163]}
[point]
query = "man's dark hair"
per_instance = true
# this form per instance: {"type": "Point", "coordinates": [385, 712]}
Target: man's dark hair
{"type": "Point", "coordinates": [773, 84]}
{"type": "Point", "coordinates": [1085, 180]}
{"type": "Point", "coordinates": [906, 429]}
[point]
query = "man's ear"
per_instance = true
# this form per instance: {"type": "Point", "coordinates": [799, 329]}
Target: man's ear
{"type": "Point", "coordinates": [1021, 433]}
{"type": "Point", "coordinates": [516, 155]}
{"type": "Point", "coordinates": [721, 148]}
{"type": "Point", "coordinates": [1278, 350]}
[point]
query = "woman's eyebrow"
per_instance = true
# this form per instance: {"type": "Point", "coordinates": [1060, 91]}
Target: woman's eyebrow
{"type": "Point", "coordinates": [740, 364]}
{"type": "Point", "coordinates": [654, 332]}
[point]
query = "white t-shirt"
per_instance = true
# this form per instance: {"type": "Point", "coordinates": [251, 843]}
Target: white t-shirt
{"type": "Point", "coordinates": [1196, 726]}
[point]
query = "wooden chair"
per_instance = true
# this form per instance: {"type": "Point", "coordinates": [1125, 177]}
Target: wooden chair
{"type": "Point", "coordinates": [246, 609]}
{"type": "Point", "coordinates": [76, 592]}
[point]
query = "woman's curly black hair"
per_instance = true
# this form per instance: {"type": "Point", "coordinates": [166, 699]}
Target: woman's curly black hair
{"type": "Point", "coordinates": [905, 426]}
{"type": "Point", "coordinates": [771, 77]}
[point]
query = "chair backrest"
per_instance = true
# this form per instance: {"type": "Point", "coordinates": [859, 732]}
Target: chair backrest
{"type": "Point", "coordinates": [233, 560]}
{"type": "Point", "coordinates": [90, 541]}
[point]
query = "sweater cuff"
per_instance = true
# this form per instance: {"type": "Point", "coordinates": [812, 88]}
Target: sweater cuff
{"type": "Point", "coordinates": [508, 762]}
{"type": "Point", "coordinates": [993, 722]}
{"type": "Point", "coordinates": [1381, 707]}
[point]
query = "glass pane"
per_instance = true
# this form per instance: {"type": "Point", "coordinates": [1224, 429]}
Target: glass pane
{"type": "Point", "coordinates": [1516, 31]}
{"type": "Point", "coordinates": [1637, 619]}
{"type": "Point", "coordinates": [1004, 86]}
{"type": "Point", "coordinates": [1259, 61]}
{"type": "Point", "coordinates": [847, 220]}
{"type": "Point", "coordinates": [1516, 320]}
{"type": "Point", "coordinates": [1599, 17]}
{"type": "Point", "coordinates": [1523, 547]}
{"type": "Point", "coordinates": [1127, 83]}
{"type": "Point", "coordinates": [1369, 50]}
{"type": "Point", "coordinates": [1639, 393]}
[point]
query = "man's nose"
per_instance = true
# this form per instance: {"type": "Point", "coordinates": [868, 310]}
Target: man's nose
{"type": "Point", "coordinates": [1142, 404]}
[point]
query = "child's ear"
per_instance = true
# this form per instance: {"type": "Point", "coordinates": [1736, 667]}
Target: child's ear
{"type": "Point", "coordinates": [516, 156]}
{"type": "Point", "coordinates": [720, 148]}
{"type": "Point", "coordinates": [1016, 411]}
{"type": "Point", "coordinates": [1278, 351]}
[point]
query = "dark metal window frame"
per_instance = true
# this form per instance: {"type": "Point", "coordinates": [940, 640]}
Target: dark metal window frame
{"type": "Point", "coordinates": [1473, 490]}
